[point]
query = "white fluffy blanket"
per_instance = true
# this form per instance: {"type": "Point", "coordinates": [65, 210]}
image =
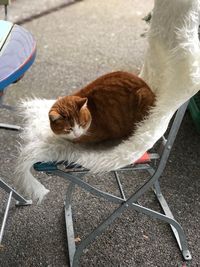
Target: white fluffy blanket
{"type": "Point", "coordinates": [171, 68]}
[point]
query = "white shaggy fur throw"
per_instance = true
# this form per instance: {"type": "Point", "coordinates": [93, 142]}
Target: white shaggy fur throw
{"type": "Point", "coordinates": [172, 70]}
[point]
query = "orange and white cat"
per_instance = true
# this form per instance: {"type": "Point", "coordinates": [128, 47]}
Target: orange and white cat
{"type": "Point", "coordinates": [109, 108]}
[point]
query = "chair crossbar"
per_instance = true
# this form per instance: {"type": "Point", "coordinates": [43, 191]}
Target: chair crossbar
{"type": "Point", "coordinates": [120, 187]}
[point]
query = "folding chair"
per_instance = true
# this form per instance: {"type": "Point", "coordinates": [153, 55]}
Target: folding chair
{"type": "Point", "coordinates": [171, 69]}
{"type": "Point", "coordinates": [18, 50]}
{"type": "Point", "coordinates": [74, 174]}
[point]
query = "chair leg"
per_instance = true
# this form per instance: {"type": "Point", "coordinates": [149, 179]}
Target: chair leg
{"type": "Point", "coordinates": [75, 253]}
{"type": "Point", "coordinates": [96, 232]}
{"type": "Point", "coordinates": [182, 238]}
{"type": "Point", "coordinates": [5, 216]}
{"type": "Point", "coordinates": [168, 213]}
{"type": "Point", "coordinates": [69, 223]}
{"type": "Point", "coordinates": [5, 125]}
{"type": "Point", "coordinates": [21, 201]}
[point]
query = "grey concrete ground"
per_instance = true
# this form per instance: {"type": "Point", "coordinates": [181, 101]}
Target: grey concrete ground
{"type": "Point", "coordinates": [75, 45]}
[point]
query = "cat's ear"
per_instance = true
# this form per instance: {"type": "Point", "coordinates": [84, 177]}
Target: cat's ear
{"type": "Point", "coordinates": [141, 94]}
{"type": "Point", "coordinates": [82, 103]}
{"type": "Point", "coordinates": [53, 115]}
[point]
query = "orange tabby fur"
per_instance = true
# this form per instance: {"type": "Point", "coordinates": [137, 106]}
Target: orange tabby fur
{"type": "Point", "coordinates": [109, 108]}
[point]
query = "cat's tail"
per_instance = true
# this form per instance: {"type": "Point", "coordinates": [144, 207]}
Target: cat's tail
{"type": "Point", "coordinates": [24, 181]}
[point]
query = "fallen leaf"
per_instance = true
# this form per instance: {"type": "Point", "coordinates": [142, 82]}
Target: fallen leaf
{"type": "Point", "coordinates": [2, 247]}
{"type": "Point", "coordinates": [77, 239]}
{"type": "Point", "coordinates": [146, 237]}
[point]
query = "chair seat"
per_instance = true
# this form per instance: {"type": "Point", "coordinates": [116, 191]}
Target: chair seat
{"type": "Point", "coordinates": [52, 166]}
{"type": "Point", "coordinates": [17, 52]}
{"type": "Point", "coordinates": [145, 158]}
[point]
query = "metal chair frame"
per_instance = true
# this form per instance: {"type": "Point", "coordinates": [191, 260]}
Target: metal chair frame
{"type": "Point", "coordinates": [74, 173]}
{"type": "Point", "coordinates": [10, 108]}
{"type": "Point", "coordinates": [20, 202]}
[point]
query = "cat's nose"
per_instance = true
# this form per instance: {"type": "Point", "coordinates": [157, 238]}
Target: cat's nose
{"type": "Point", "coordinates": [76, 134]}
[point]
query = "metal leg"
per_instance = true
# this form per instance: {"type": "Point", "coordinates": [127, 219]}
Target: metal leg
{"type": "Point", "coordinates": [69, 220]}
{"type": "Point", "coordinates": [5, 216]}
{"type": "Point", "coordinates": [5, 125]}
{"type": "Point", "coordinates": [94, 234]}
{"type": "Point", "coordinates": [21, 201]}
{"type": "Point", "coordinates": [176, 226]}
{"type": "Point", "coordinates": [69, 223]}
{"type": "Point", "coordinates": [10, 127]}
{"type": "Point", "coordinates": [6, 11]}
{"type": "Point", "coordinates": [180, 236]}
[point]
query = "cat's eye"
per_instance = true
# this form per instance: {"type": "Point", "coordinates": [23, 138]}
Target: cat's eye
{"type": "Point", "coordinates": [68, 130]}
{"type": "Point", "coordinates": [83, 124]}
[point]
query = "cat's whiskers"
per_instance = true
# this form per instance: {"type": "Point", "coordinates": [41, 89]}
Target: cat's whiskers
{"type": "Point", "coordinates": [87, 133]}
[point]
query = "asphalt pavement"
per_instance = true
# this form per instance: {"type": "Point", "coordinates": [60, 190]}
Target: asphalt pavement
{"type": "Point", "coordinates": [77, 42]}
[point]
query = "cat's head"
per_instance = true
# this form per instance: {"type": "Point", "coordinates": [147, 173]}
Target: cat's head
{"type": "Point", "coordinates": [70, 117]}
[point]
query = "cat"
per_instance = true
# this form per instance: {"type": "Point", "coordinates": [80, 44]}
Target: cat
{"type": "Point", "coordinates": [107, 109]}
